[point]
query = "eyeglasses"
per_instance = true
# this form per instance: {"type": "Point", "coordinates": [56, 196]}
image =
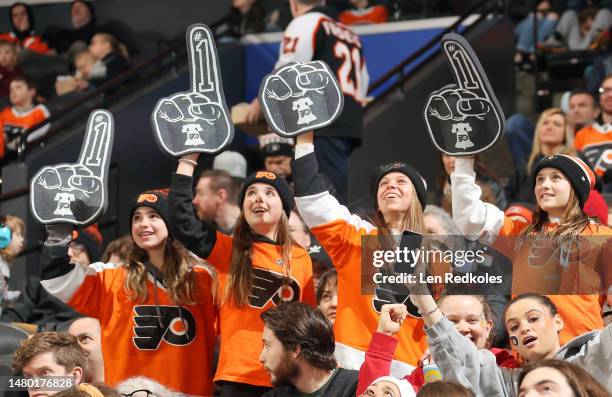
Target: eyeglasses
{"type": "Point", "coordinates": [139, 393]}
{"type": "Point", "coordinates": [605, 90]}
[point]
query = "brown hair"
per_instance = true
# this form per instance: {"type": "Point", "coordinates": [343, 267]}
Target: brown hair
{"type": "Point", "coordinates": [83, 390]}
{"type": "Point", "coordinates": [568, 143]}
{"type": "Point", "coordinates": [120, 247]}
{"type": "Point", "coordinates": [16, 224]}
{"type": "Point", "coordinates": [116, 46]}
{"type": "Point", "coordinates": [240, 279]}
{"type": "Point", "coordinates": [329, 278]}
{"type": "Point", "coordinates": [178, 275]}
{"type": "Point", "coordinates": [220, 179]}
{"type": "Point", "coordinates": [65, 348]}
{"type": "Point", "coordinates": [581, 382]}
{"type": "Point", "coordinates": [444, 388]}
{"type": "Point", "coordinates": [541, 299]}
{"type": "Point", "coordinates": [297, 324]}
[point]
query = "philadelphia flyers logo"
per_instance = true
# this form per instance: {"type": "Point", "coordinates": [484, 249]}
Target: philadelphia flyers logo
{"type": "Point", "coordinates": [268, 286]}
{"type": "Point", "coordinates": [265, 175]}
{"type": "Point", "coordinates": [151, 198]}
{"type": "Point", "coordinates": [600, 156]}
{"type": "Point", "coordinates": [385, 296]}
{"type": "Point", "coordinates": [177, 326]}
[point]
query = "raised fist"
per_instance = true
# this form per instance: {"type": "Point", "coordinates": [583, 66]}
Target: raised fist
{"type": "Point", "coordinates": [77, 193]}
{"type": "Point", "coordinates": [195, 121]}
{"type": "Point", "coordinates": [463, 118]}
{"type": "Point", "coordinates": [300, 97]}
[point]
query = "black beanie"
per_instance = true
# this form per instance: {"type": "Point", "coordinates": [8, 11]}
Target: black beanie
{"type": "Point", "coordinates": [417, 181]}
{"type": "Point", "coordinates": [580, 176]}
{"type": "Point", "coordinates": [276, 182]}
{"type": "Point", "coordinates": [277, 149]}
{"type": "Point", "coordinates": [155, 199]}
{"type": "Point", "coordinates": [91, 246]}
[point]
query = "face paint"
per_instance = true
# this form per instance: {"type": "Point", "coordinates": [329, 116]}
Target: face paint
{"type": "Point", "coordinates": [514, 340]}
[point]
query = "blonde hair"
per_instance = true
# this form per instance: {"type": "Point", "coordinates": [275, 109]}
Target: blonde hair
{"type": "Point", "coordinates": [567, 147]}
{"type": "Point", "coordinates": [17, 226]}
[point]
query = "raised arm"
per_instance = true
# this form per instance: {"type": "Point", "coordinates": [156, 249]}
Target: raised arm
{"type": "Point", "coordinates": [475, 219]}
{"type": "Point", "coordinates": [197, 236]}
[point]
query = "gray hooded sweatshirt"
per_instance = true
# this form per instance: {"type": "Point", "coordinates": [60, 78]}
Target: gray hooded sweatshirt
{"type": "Point", "coordinates": [458, 359]}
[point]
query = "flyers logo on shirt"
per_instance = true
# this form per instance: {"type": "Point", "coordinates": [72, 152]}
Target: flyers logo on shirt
{"type": "Point", "coordinates": [177, 326]}
{"type": "Point", "coordinates": [269, 286]}
{"type": "Point", "coordinates": [600, 156]}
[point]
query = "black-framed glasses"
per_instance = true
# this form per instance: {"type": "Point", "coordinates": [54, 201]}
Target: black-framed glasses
{"type": "Point", "coordinates": [143, 393]}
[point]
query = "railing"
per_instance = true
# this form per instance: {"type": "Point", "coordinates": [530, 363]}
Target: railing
{"type": "Point", "coordinates": [399, 73]}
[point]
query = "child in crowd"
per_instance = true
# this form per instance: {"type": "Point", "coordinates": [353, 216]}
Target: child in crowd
{"type": "Point", "coordinates": [12, 236]}
{"type": "Point", "coordinates": [327, 295]}
{"type": "Point", "coordinates": [105, 48]}
{"type": "Point", "coordinates": [23, 34]}
{"type": "Point", "coordinates": [258, 266]}
{"type": "Point", "coordinates": [88, 69]}
{"type": "Point", "coordinates": [157, 312]}
{"type": "Point", "coordinates": [8, 66]}
{"type": "Point", "coordinates": [560, 252]}
{"type": "Point", "coordinates": [23, 114]}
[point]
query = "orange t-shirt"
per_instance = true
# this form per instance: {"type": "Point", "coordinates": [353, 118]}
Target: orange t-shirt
{"type": "Point", "coordinates": [136, 343]}
{"type": "Point", "coordinates": [583, 273]}
{"type": "Point", "coordinates": [241, 327]}
{"type": "Point", "coordinates": [33, 43]}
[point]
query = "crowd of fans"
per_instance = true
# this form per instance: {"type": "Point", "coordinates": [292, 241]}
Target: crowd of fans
{"type": "Point", "coordinates": [253, 281]}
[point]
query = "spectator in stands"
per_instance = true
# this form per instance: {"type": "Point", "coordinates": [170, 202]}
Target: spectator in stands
{"type": "Point", "coordinates": [552, 136]}
{"type": "Point", "coordinates": [88, 70]}
{"type": "Point", "coordinates": [85, 246]}
{"type": "Point", "coordinates": [562, 184]}
{"type": "Point", "coordinates": [83, 19]}
{"type": "Point", "coordinates": [162, 282]}
{"type": "Point", "coordinates": [277, 153]}
{"type": "Point", "coordinates": [533, 323]}
{"type": "Point", "coordinates": [117, 251]}
{"type": "Point", "coordinates": [578, 31]}
{"type": "Point", "coordinates": [245, 17]}
{"type": "Point", "coordinates": [23, 34]}
{"type": "Point", "coordinates": [89, 335]}
{"type": "Point", "coordinates": [446, 389]}
{"type": "Point", "coordinates": [321, 263]}
{"type": "Point", "coordinates": [399, 194]}
{"type": "Point", "coordinates": [216, 200]}
{"type": "Point", "coordinates": [583, 110]}
{"type": "Point", "coordinates": [12, 238]}
{"type": "Point", "coordinates": [24, 113]}
{"type": "Point", "coordinates": [8, 66]}
{"type": "Point", "coordinates": [547, 20]}
{"type": "Point", "coordinates": [89, 390]}
{"type": "Point", "coordinates": [493, 191]}
{"type": "Point", "coordinates": [139, 385]}
{"type": "Point", "coordinates": [50, 354]}
{"type": "Point", "coordinates": [327, 295]}
{"type": "Point", "coordinates": [258, 265]}
{"type": "Point", "coordinates": [299, 231]}
{"type": "Point", "coordinates": [363, 12]}
{"type": "Point", "coordinates": [595, 140]}
{"type": "Point", "coordinates": [559, 378]}
{"type": "Point", "coordinates": [298, 352]}
{"type": "Point", "coordinates": [234, 164]}
{"type": "Point", "coordinates": [105, 47]}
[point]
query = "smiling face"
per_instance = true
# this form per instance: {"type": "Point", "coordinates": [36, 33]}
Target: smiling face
{"type": "Point", "coordinates": [149, 230]}
{"type": "Point", "coordinates": [381, 388]}
{"type": "Point", "coordinates": [552, 130]}
{"type": "Point", "coordinates": [466, 312]}
{"type": "Point", "coordinates": [545, 381]}
{"type": "Point", "coordinates": [552, 191]}
{"type": "Point", "coordinates": [394, 194]}
{"type": "Point", "coordinates": [262, 209]}
{"type": "Point", "coordinates": [533, 330]}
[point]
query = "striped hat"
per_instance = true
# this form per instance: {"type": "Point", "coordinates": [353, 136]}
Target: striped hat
{"type": "Point", "coordinates": [580, 176]}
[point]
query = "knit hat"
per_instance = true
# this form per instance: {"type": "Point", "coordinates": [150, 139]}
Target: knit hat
{"type": "Point", "coordinates": [276, 182]}
{"type": "Point", "coordinates": [91, 238]}
{"type": "Point", "coordinates": [575, 170]}
{"type": "Point", "coordinates": [419, 183]}
{"type": "Point", "coordinates": [233, 162]}
{"type": "Point", "coordinates": [405, 388]}
{"type": "Point", "coordinates": [274, 145]}
{"type": "Point", "coordinates": [156, 199]}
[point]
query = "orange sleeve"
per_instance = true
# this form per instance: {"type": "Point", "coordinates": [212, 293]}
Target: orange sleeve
{"type": "Point", "coordinates": [579, 139]}
{"type": "Point", "coordinates": [381, 15]}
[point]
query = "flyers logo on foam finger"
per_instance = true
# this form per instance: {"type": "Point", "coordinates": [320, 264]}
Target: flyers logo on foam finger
{"type": "Point", "coordinates": [151, 198]}
{"type": "Point", "coordinates": [386, 296]}
{"type": "Point", "coordinates": [265, 175]}
{"type": "Point", "coordinates": [269, 286]}
{"type": "Point", "coordinates": [176, 326]}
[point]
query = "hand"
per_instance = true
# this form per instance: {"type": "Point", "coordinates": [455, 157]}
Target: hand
{"type": "Point", "coordinates": [77, 193]}
{"type": "Point", "coordinates": [197, 120]}
{"type": "Point", "coordinates": [391, 318]}
{"type": "Point", "coordinates": [465, 117]}
{"type": "Point", "coordinates": [254, 115]}
{"type": "Point", "coordinates": [295, 79]}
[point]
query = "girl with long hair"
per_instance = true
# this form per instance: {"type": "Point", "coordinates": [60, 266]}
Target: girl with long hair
{"type": "Point", "coordinates": [258, 267]}
{"type": "Point", "coordinates": [157, 312]}
{"type": "Point", "coordinates": [400, 196]}
{"type": "Point", "coordinates": [534, 325]}
{"type": "Point", "coordinates": [561, 252]}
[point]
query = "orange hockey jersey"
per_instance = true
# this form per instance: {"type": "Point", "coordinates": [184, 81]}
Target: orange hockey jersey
{"type": "Point", "coordinates": [240, 327]}
{"type": "Point", "coordinates": [595, 141]}
{"type": "Point", "coordinates": [33, 43]}
{"type": "Point", "coordinates": [373, 14]}
{"type": "Point", "coordinates": [175, 349]}
{"type": "Point", "coordinates": [13, 121]}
